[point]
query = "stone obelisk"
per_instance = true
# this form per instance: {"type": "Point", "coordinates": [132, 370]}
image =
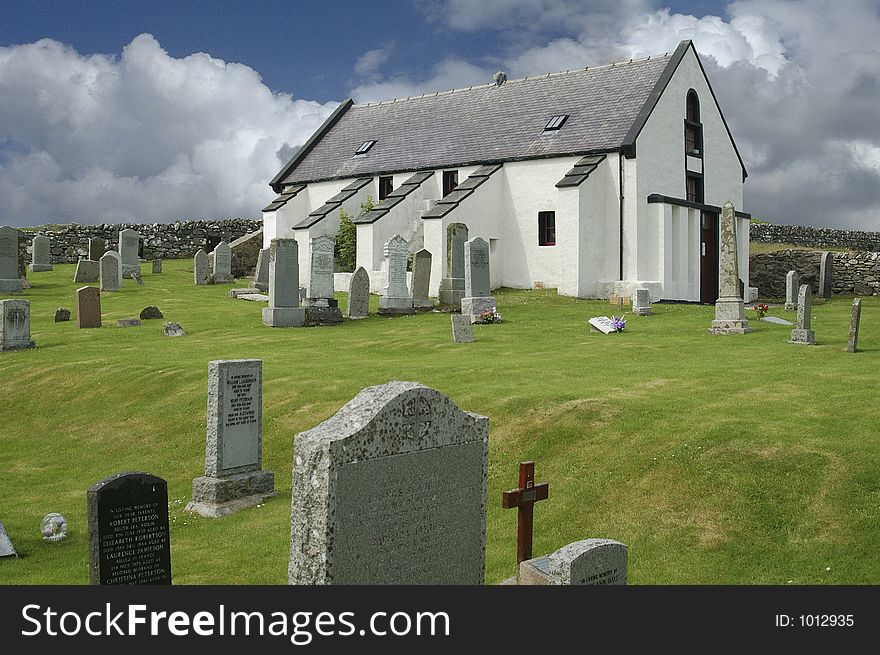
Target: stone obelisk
{"type": "Point", "coordinates": [730, 315]}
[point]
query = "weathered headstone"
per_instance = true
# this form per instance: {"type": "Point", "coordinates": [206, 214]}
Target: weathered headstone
{"type": "Point", "coordinates": [129, 245]}
{"type": "Point", "coordinates": [233, 478]}
{"type": "Point", "coordinates": [88, 307]}
{"type": "Point", "coordinates": [396, 299]}
{"type": "Point", "coordinates": [462, 332]}
{"type": "Point", "coordinates": [792, 284]}
{"type": "Point", "coordinates": [803, 332]}
{"type": "Point", "coordinates": [452, 286]}
{"type": "Point", "coordinates": [223, 263]}
{"type": "Point", "coordinates": [128, 322]}
{"type": "Point", "coordinates": [201, 269]}
{"type": "Point", "coordinates": [380, 488]}
{"type": "Point", "coordinates": [173, 329]}
{"type": "Point", "coordinates": [10, 279]}
{"type": "Point", "coordinates": [359, 294]}
{"type": "Point", "coordinates": [321, 307]}
{"type": "Point", "coordinates": [730, 315]}
{"type": "Point", "coordinates": [641, 302]}
{"type": "Point", "coordinates": [128, 531]}
{"type": "Point", "coordinates": [853, 342]}
{"type": "Point", "coordinates": [261, 276]}
{"type": "Point", "coordinates": [15, 325]}
{"type": "Point", "coordinates": [602, 324]}
{"type": "Point", "coordinates": [111, 271]}
{"type": "Point", "coordinates": [587, 562]}
{"type": "Point", "coordinates": [421, 280]}
{"type": "Point", "coordinates": [97, 246]}
{"type": "Point", "coordinates": [826, 274]}
{"type": "Point", "coordinates": [6, 547]}
{"type": "Point", "coordinates": [151, 312]}
{"type": "Point", "coordinates": [41, 254]}
{"type": "Point", "coordinates": [477, 298]}
{"type": "Point", "coordinates": [62, 315]}
{"type": "Point", "coordinates": [87, 271]}
{"type": "Point", "coordinates": [134, 275]}
{"type": "Point", "coordinates": [284, 309]}
{"type": "Point", "coordinates": [157, 266]}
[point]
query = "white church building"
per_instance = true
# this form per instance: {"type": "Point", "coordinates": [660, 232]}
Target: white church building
{"type": "Point", "coordinates": [593, 181]}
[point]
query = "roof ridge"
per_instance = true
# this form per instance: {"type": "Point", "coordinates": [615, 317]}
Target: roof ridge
{"type": "Point", "coordinates": [432, 94]}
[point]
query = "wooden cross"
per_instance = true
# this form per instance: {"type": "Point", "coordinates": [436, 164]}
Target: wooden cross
{"type": "Point", "coordinates": [524, 498]}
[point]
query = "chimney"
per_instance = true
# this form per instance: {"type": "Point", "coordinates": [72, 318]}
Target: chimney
{"type": "Point", "coordinates": [500, 78]}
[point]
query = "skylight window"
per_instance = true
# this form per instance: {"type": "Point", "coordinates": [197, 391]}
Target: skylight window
{"type": "Point", "coordinates": [364, 147]}
{"type": "Point", "coordinates": [555, 123]}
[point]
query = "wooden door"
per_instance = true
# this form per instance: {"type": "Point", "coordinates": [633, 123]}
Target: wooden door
{"type": "Point", "coordinates": [708, 258]}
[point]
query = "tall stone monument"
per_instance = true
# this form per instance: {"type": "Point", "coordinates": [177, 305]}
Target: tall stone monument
{"type": "Point", "coordinates": [201, 268]}
{"type": "Point", "coordinates": [421, 281]}
{"type": "Point", "coordinates": [477, 295]}
{"type": "Point", "coordinates": [284, 309]}
{"type": "Point", "coordinates": [234, 479]}
{"type": "Point", "coordinates": [321, 306]}
{"type": "Point", "coordinates": [452, 286]}
{"type": "Point", "coordinates": [396, 299]}
{"type": "Point", "coordinates": [223, 263]}
{"type": "Point", "coordinates": [111, 271]}
{"type": "Point", "coordinates": [88, 307]}
{"type": "Point", "coordinates": [129, 245]}
{"type": "Point", "coordinates": [391, 490]}
{"type": "Point", "coordinates": [41, 254]}
{"type": "Point", "coordinates": [10, 279]}
{"type": "Point", "coordinates": [853, 342]}
{"type": "Point", "coordinates": [803, 333]}
{"type": "Point", "coordinates": [792, 284]}
{"type": "Point", "coordinates": [826, 274]}
{"type": "Point", "coordinates": [15, 324]}
{"type": "Point", "coordinates": [730, 315]}
{"type": "Point", "coordinates": [359, 294]}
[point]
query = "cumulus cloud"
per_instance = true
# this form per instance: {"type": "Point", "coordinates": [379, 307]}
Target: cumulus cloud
{"type": "Point", "coordinates": [369, 62]}
{"type": "Point", "coordinates": [450, 73]}
{"type": "Point", "coordinates": [143, 136]}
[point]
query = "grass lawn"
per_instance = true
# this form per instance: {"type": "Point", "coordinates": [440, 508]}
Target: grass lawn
{"type": "Point", "coordinates": [740, 459]}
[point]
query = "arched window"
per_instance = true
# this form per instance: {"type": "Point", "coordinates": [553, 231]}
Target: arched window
{"type": "Point", "coordinates": [693, 128]}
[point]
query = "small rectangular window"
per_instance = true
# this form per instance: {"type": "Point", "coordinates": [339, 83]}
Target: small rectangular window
{"type": "Point", "coordinates": [693, 138]}
{"type": "Point", "coordinates": [546, 228]}
{"type": "Point", "coordinates": [555, 123]}
{"type": "Point", "coordinates": [364, 147]}
{"type": "Point", "coordinates": [450, 181]}
{"type": "Point", "coordinates": [694, 189]}
{"type": "Point", "coordinates": [386, 186]}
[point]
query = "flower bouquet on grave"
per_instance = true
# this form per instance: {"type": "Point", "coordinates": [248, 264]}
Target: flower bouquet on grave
{"type": "Point", "coordinates": [761, 310]}
{"type": "Point", "coordinates": [490, 316]}
{"type": "Point", "coordinates": [618, 323]}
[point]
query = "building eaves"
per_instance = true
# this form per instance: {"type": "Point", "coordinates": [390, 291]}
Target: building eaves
{"type": "Point", "coordinates": [333, 203]}
{"type": "Point", "coordinates": [581, 171]}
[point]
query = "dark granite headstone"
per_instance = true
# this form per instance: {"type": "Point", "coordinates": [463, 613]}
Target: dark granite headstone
{"type": "Point", "coordinates": [128, 530]}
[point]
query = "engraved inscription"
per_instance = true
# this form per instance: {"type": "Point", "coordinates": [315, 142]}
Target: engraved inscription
{"type": "Point", "coordinates": [322, 262]}
{"type": "Point", "coordinates": [242, 409]}
{"type": "Point", "coordinates": [479, 258]}
{"type": "Point", "coordinates": [8, 248]}
{"type": "Point", "coordinates": [611, 576]}
{"type": "Point", "coordinates": [240, 419]}
{"type": "Point", "coordinates": [132, 543]}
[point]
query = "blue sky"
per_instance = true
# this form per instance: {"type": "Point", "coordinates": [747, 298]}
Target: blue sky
{"type": "Point", "coordinates": [159, 111]}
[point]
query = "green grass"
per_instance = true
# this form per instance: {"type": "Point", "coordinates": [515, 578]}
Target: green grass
{"type": "Point", "coordinates": [716, 459]}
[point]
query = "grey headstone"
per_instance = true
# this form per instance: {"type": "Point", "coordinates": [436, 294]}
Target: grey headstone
{"type": "Point", "coordinates": [223, 263]}
{"type": "Point", "coordinates": [134, 275]}
{"type": "Point", "coordinates": [803, 333]}
{"type": "Point", "coordinates": [826, 274]}
{"type": "Point", "coordinates": [6, 547]}
{"type": "Point", "coordinates": [421, 279]}
{"type": "Point", "coordinates": [261, 277]}
{"type": "Point", "coordinates": [284, 301]}
{"type": "Point", "coordinates": [476, 268]}
{"type": "Point", "coordinates": [602, 324]}
{"type": "Point", "coordinates": [462, 332]}
{"type": "Point", "coordinates": [391, 490]}
{"type": "Point", "coordinates": [111, 271]}
{"type": "Point", "coordinates": [129, 245]}
{"type": "Point", "coordinates": [776, 320]}
{"type": "Point", "coordinates": [10, 281]}
{"type": "Point", "coordinates": [641, 302]}
{"type": "Point", "coordinates": [157, 266]}
{"type": "Point", "coordinates": [97, 246]}
{"type": "Point", "coordinates": [853, 342]}
{"type": "Point", "coordinates": [359, 294]}
{"type": "Point", "coordinates": [233, 478]}
{"type": "Point", "coordinates": [589, 562]}
{"type": "Point", "coordinates": [128, 530]}
{"type": "Point", "coordinates": [128, 322]}
{"type": "Point", "coordinates": [173, 329]}
{"type": "Point", "coordinates": [201, 269]}
{"type": "Point", "coordinates": [149, 313]}
{"type": "Point", "coordinates": [395, 298]}
{"type": "Point", "coordinates": [452, 286]}
{"type": "Point", "coordinates": [792, 284]}
{"type": "Point", "coordinates": [62, 315]}
{"type": "Point", "coordinates": [88, 307]}
{"type": "Point", "coordinates": [15, 325]}
{"type": "Point", "coordinates": [87, 271]}
{"type": "Point", "coordinates": [730, 315]}
{"type": "Point", "coordinates": [41, 258]}
{"type": "Point", "coordinates": [321, 273]}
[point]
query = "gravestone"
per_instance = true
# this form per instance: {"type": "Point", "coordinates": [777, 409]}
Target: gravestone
{"type": "Point", "coordinates": [284, 309]}
{"type": "Point", "coordinates": [10, 279]}
{"type": "Point", "coordinates": [321, 307]}
{"type": "Point", "coordinates": [157, 266]}
{"type": "Point", "coordinates": [87, 271]}
{"type": "Point", "coordinates": [128, 531]}
{"type": "Point", "coordinates": [803, 332]}
{"type": "Point", "coordinates": [223, 263]}
{"type": "Point", "coordinates": [792, 284]}
{"type": "Point", "coordinates": [261, 276]}
{"type": "Point", "coordinates": [452, 286]}
{"type": "Point", "coordinates": [234, 479]}
{"type": "Point", "coordinates": [173, 329]}
{"type": "Point", "coordinates": [462, 332]}
{"type": "Point", "coordinates": [853, 342]}
{"type": "Point", "coordinates": [602, 324]}
{"type": "Point", "coordinates": [15, 325]}
{"type": "Point", "coordinates": [826, 274]}
{"type": "Point", "coordinates": [730, 315]}
{"type": "Point", "coordinates": [395, 300]}
{"type": "Point", "coordinates": [641, 302]}
{"type": "Point", "coordinates": [61, 315]}
{"type": "Point", "coordinates": [6, 547]}
{"type": "Point", "coordinates": [96, 248]}
{"type": "Point", "coordinates": [129, 245]}
{"type": "Point", "coordinates": [88, 307]}
{"type": "Point", "coordinates": [111, 271]}
{"type": "Point", "coordinates": [359, 294]}
{"type": "Point", "coordinates": [41, 257]}
{"type": "Point", "coordinates": [477, 298]}
{"type": "Point", "coordinates": [587, 562]}
{"type": "Point", "coordinates": [391, 490]}
{"type": "Point", "coordinates": [201, 269]}
{"type": "Point", "coordinates": [421, 281]}
{"type": "Point", "coordinates": [128, 322]}
{"type": "Point", "coordinates": [151, 312]}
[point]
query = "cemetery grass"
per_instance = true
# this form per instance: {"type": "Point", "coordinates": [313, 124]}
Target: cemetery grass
{"type": "Point", "coordinates": [718, 460]}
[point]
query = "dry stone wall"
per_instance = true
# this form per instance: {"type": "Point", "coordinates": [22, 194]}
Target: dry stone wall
{"type": "Point", "coordinates": [815, 237]}
{"type": "Point", "coordinates": [855, 273]}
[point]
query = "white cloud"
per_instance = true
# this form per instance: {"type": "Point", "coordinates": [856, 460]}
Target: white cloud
{"type": "Point", "coordinates": [449, 74]}
{"type": "Point", "coordinates": [369, 62]}
{"type": "Point", "coordinates": [144, 136]}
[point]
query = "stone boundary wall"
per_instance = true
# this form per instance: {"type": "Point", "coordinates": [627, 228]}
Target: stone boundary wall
{"type": "Point", "coordinates": [854, 273]}
{"type": "Point", "coordinates": [816, 237]}
{"type": "Point", "coordinates": [178, 240]}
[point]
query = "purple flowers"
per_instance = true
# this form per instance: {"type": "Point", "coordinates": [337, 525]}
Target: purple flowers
{"type": "Point", "coordinates": [618, 323]}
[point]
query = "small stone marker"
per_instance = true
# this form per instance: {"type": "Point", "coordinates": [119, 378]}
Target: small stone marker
{"type": "Point", "coordinates": [129, 245]}
{"type": "Point", "coordinates": [111, 271]}
{"type": "Point", "coordinates": [776, 320]}
{"type": "Point", "coordinates": [128, 531]}
{"type": "Point", "coordinates": [284, 309]}
{"type": "Point", "coordinates": [97, 246]}
{"type": "Point", "coordinates": [641, 302]}
{"type": "Point", "coordinates": [15, 325]}
{"type": "Point", "coordinates": [359, 294]}
{"type": "Point", "coordinates": [452, 286]}
{"type": "Point", "coordinates": [233, 478]}
{"type": "Point", "coordinates": [223, 263]}
{"type": "Point", "coordinates": [88, 307]}
{"type": "Point", "coordinates": [41, 258]}
{"type": "Point", "coordinates": [62, 315]}
{"type": "Point", "coordinates": [173, 329]}
{"type": "Point", "coordinates": [803, 332]}
{"type": "Point", "coordinates": [87, 272]}
{"type": "Point", "coordinates": [602, 324]}
{"type": "Point", "coordinates": [421, 281]}
{"type": "Point", "coordinates": [157, 266]}
{"type": "Point", "coordinates": [462, 330]}
{"type": "Point", "coordinates": [730, 314]}
{"type": "Point", "coordinates": [826, 274]}
{"type": "Point", "coordinates": [149, 313]}
{"type": "Point", "coordinates": [854, 325]}
{"type": "Point", "coordinates": [10, 280]}
{"type": "Point", "coordinates": [477, 298]}
{"type": "Point", "coordinates": [524, 498]}
{"type": "Point", "coordinates": [128, 322]}
{"type": "Point", "coordinates": [396, 299]}
{"type": "Point", "coordinates": [391, 490]}
{"type": "Point", "coordinates": [792, 284]}
{"type": "Point", "coordinates": [261, 276]}
{"type": "Point", "coordinates": [589, 562]}
{"type": "Point", "coordinates": [201, 270]}
{"type": "Point", "coordinates": [6, 547]}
